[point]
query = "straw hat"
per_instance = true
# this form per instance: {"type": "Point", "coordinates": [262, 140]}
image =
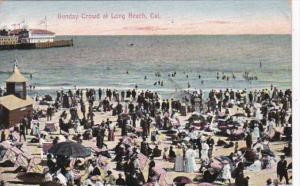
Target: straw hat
{"type": "Point", "coordinates": [68, 168]}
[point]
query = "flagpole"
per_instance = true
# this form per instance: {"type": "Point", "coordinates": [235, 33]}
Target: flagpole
{"type": "Point", "coordinates": [46, 22]}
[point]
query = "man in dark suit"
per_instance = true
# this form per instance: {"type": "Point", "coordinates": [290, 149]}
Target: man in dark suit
{"type": "Point", "coordinates": [282, 169]}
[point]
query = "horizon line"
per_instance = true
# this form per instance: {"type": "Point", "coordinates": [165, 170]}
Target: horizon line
{"type": "Point", "coordinates": [288, 34]}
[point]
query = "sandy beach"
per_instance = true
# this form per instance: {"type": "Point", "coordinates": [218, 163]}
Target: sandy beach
{"type": "Point", "coordinates": [255, 177]}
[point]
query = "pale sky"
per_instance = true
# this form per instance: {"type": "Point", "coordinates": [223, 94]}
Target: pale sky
{"type": "Point", "coordinates": [209, 17]}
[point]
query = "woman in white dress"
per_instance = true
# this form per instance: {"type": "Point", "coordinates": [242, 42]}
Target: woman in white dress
{"type": "Point", "coordinates": [256, 134]}
{"type": "Point", "coordinates": [226, 172]}
{"type": "Point", "coordinates": [179, 163]}
{"type": "Point", "coordinates": [190, 163]}
{"type": "Point", "coordinates": [204, 151]}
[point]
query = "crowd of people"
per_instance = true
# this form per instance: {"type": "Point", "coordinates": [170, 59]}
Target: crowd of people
{"type": "Point", "coordinates": [246, 121]}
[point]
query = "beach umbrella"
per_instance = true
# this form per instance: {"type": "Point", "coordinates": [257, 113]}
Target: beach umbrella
{"type": "Point", "coordinates": [70, 149]}
{"type": "Point", "coordinates": [182, 180]}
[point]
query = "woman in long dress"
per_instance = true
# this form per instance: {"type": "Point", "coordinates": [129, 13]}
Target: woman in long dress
{"type": "Point", "coordinates": [226, 172]}
{"type": "Point", "coordinates": [190, 163]}
{"type": "Point", "coordinates": [111, 130]}
{"type": "Point", "coordinates": [256, 133]}
{"type": "Point", "coordinates": [204, 151]}
{"type": "Point", "coordinates": [179, 163]}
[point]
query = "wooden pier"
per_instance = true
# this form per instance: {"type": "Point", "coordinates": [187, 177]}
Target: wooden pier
{"type": "Point", "coordinates": [58, 43]}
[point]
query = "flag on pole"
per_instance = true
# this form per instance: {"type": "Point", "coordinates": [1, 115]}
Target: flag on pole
{"type": "Point", "coordinates": [43, 21]}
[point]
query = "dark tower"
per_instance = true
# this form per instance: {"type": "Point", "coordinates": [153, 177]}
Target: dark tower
{"type": "Point", "coordinates": [16, 84]}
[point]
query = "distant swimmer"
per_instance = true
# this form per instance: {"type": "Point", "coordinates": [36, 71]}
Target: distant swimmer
{"type": "Point", "coordinates": [260, 64]}
{"type": "Point", "coordinates": [155, 83]}
{"type": "Point", "coordinates": [218, 75]}
{"type": "Point", "coordinates": [199, 76]}
{"type": "Point", "coordinates": [227, 78]}
{"type": "Point", "coordinates": [189, 85]}
{"type": "Point", "coordinates": [127, 72]}
{"type": "Point", "coordinates": [223, 77]}
{"type": "Point", "coordinates": [187, 76]}
{"type": "Point", "coordinates": [161, 83]}
{"type": "Point", "coordinates": [145, 77]}
{"type": "Point", "coordinates": [233, 76]}
{"type": "Point", "coordinates": [31, 76]}
{"type": "Point", "coordinates": [136, 86]}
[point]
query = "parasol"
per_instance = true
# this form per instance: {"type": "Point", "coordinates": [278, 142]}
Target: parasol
{"type": "Point", "coordinates": [70, 149]}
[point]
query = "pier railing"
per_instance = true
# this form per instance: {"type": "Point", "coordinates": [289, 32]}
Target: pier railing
{"type": "Point", "coordinates": [58, 43]}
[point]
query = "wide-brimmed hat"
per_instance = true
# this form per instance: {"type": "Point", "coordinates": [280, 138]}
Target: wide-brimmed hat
{"type": "Point", "coordinates": [68, 168]}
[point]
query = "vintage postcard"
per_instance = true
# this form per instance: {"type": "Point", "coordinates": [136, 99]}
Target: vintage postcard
{"type": "Point", "coordinates": [156, 93]}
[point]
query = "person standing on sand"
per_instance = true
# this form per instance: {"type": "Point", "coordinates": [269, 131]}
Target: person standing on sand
{"type": "Point", "coordinates": [111, 131]}
{"type": "Point", "coordinates": [179, 161]}
{"type": "Point", "coordinates": [204, 151]}
{"type": "Point", "coordinates": [83, 109]}
{"type": "Point", "coordinates": [22, 130]}
{"type": "Point", "coordinates": [190, 163]}
{"type": "Point", "coordinates": [282, 169]}
{"type": "Point", "coordinates": [226, 172]}
{"type": "Point", "coordinates": [249, 140]}
{"type": "Point", "coordinates": [210, 142]}
{"type": "Point", "coordinates": [100, 93]}
{"type": "Point", "coordinates": [49, 113]}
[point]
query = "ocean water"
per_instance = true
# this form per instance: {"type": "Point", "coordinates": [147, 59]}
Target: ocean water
{"type": "Point", "coordinates": [102, 61]}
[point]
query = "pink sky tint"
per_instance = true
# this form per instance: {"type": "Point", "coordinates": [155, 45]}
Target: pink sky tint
{"type": "Point", "coordinates": [203, 17]}
{"type": "Point", "coordinates": [210, 27]}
